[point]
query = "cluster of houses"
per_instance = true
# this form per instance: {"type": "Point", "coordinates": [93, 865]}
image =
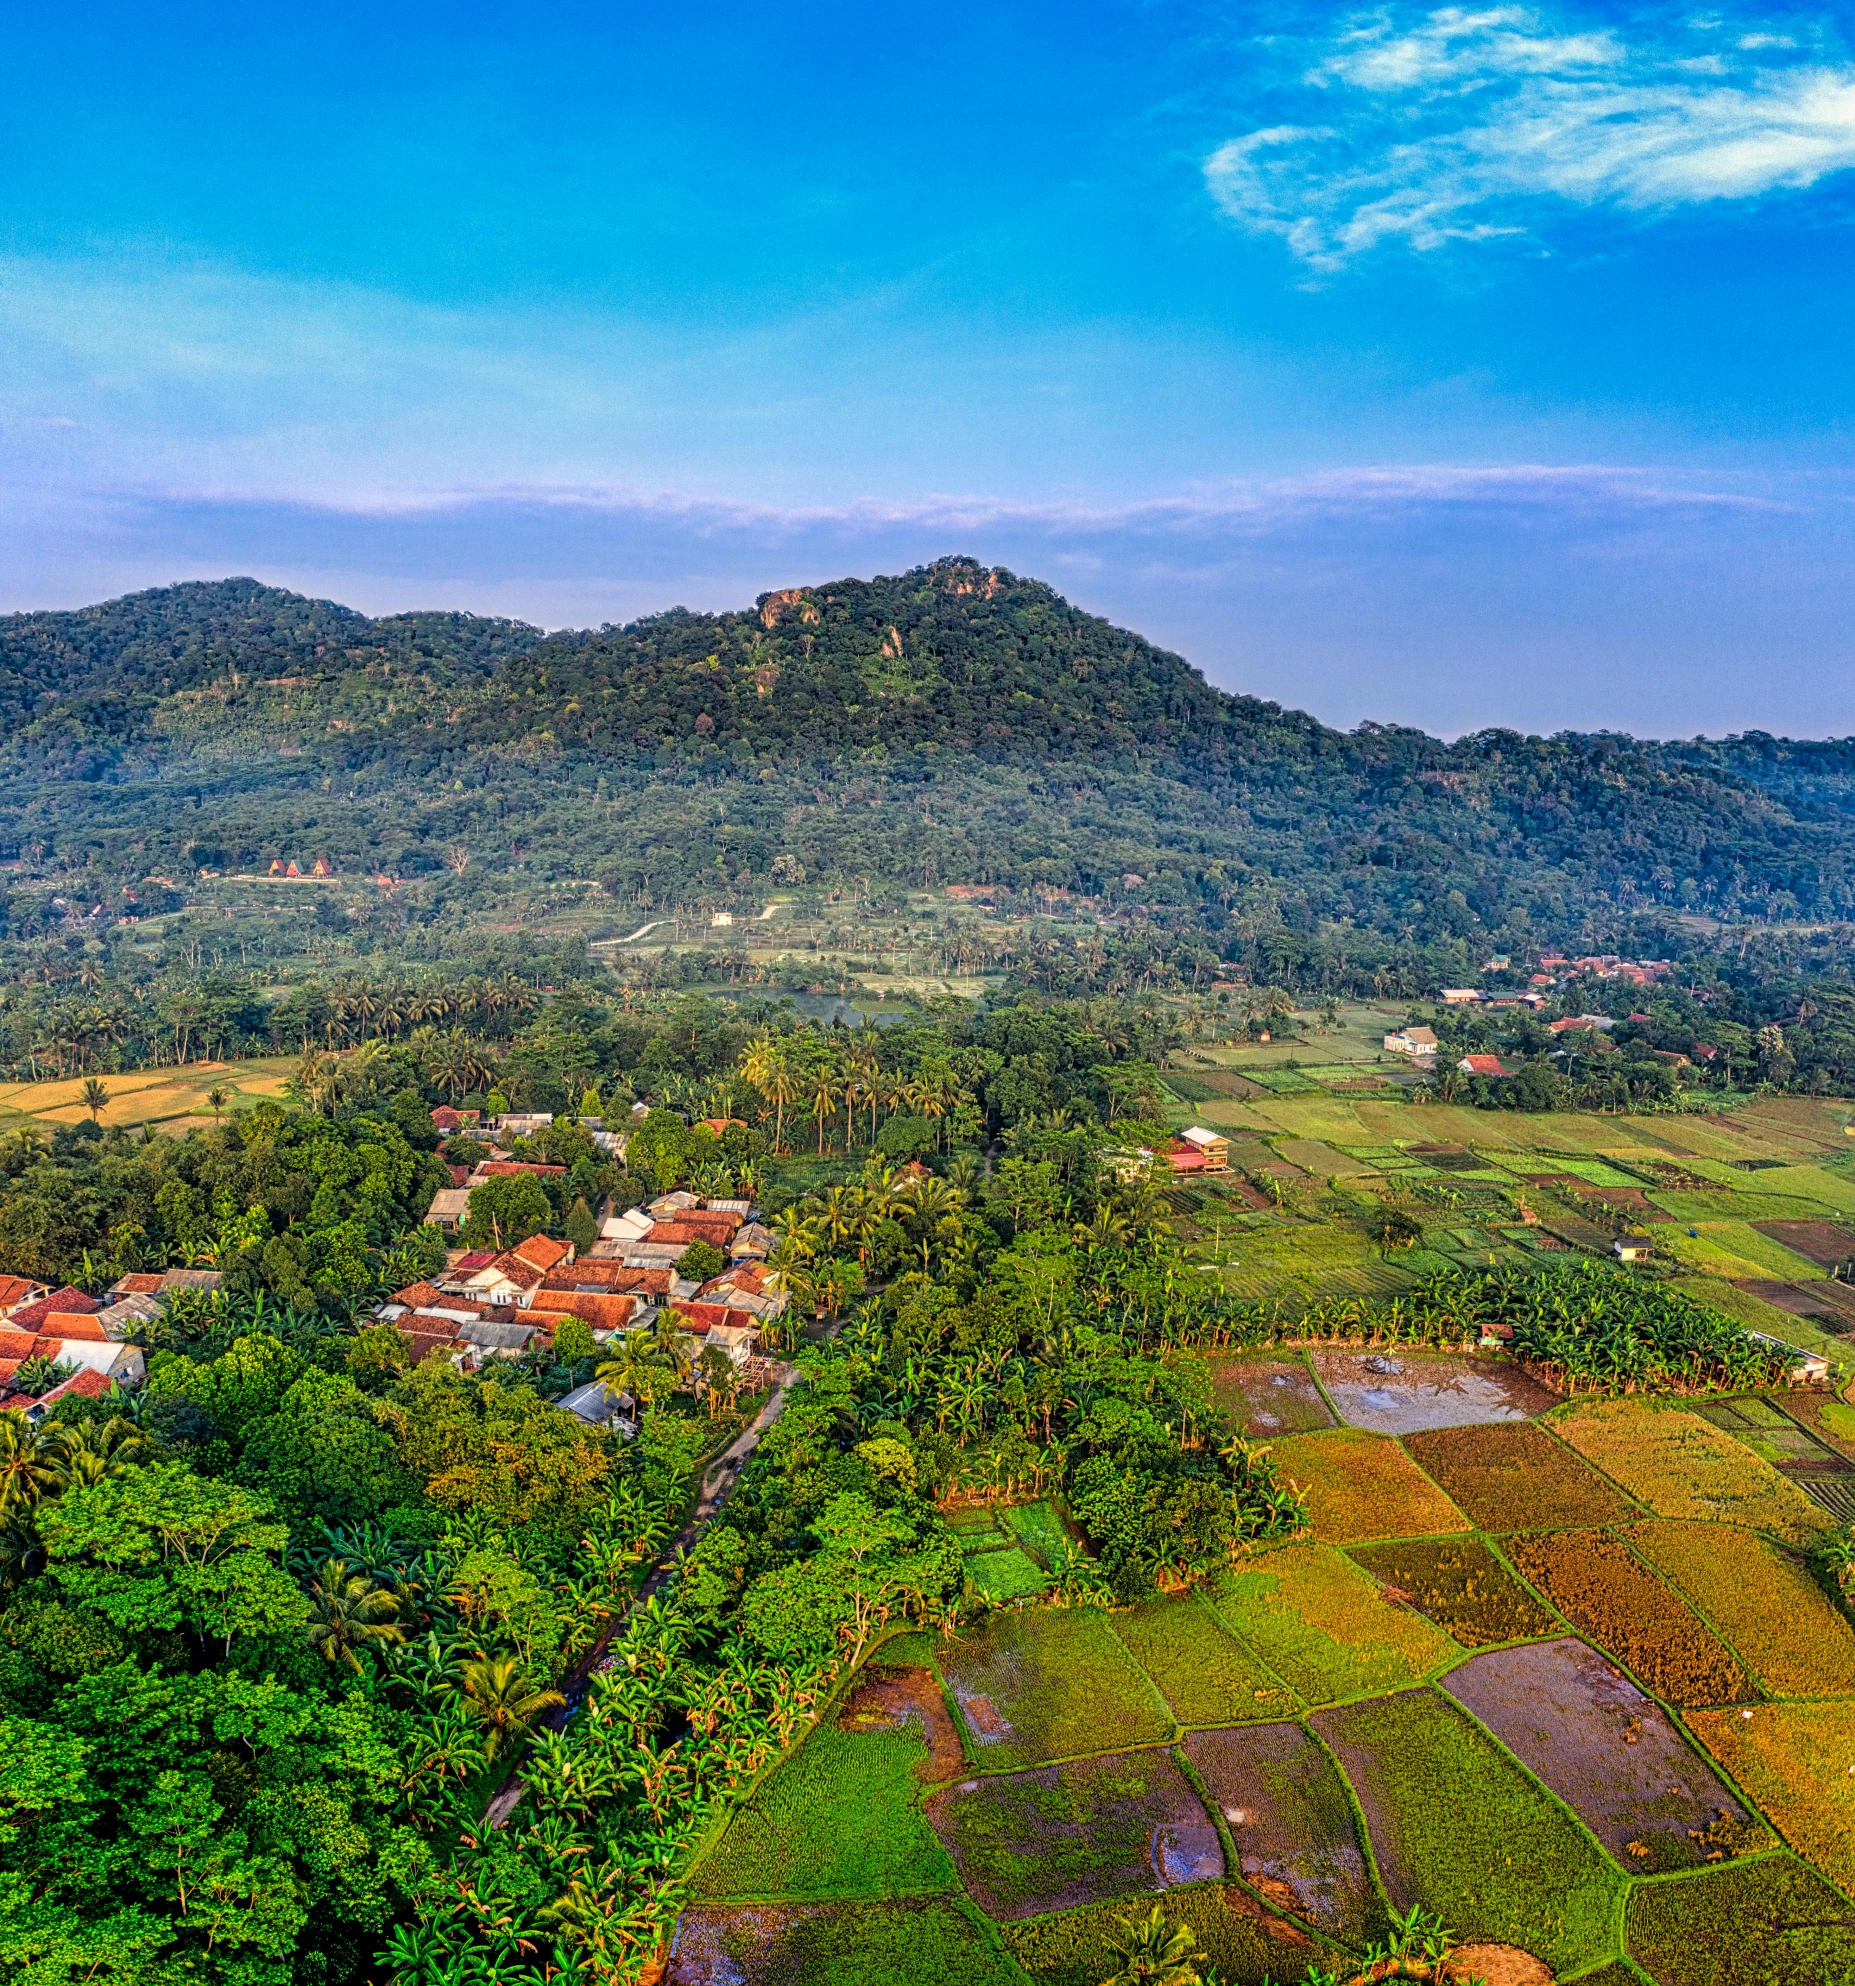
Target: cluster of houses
{"type": "Point", "coordinates": [489, 1303]}
{"type": "Point", "coordinates": [85, 1337]}
{"type": "Point", "coordinates": [450, 1205]}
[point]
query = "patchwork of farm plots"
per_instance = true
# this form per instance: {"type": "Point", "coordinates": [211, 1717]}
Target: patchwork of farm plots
{"type": "Point", "coordinates": [1564, 1678]}
{"type": "Point", "coordinates": [1750, 1211]}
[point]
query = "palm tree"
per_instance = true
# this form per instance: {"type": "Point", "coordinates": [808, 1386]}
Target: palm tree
{"type": "Point", "coordinates": [94, 1097]}
{"type": "Point", "coordinates": [98, 1450]}
{"type": "Point", "coordinates": [1153, 1953]}
{"type": "Point", "coordinates": [29, 1460]}
{"type": "Point", "coordinates": [823, 1087]}
{"type": "Point", "coordinates": [216, 1096]}
{"type": "Point", "coordinates": [348, 1612]}
{"type": "Point", "coordinates": [501, 1696]}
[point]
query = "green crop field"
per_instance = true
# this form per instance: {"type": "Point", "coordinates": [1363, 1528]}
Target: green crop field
{"type": "Point", "coordinates": [1275, 1756]}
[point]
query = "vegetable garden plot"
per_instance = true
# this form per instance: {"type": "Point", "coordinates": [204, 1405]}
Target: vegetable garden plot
{"type": "Point", "coordinates": [1458, 1827]}
{"type": "Point", "coordinates": [1831, 1420]}
{"type": "Point", "coordinates": [1795, 1760]}
{"type": "Point", "coordinates": [1205, 1674]}
{"type": "Point", "coordinates": [1268, 1396]}
{"type": "Point", "coordinates": [1045, 1685]}
{"type": "Point", "coordinates": [937, 1943]}
{"type": "Point", "coordinates": [1768, 1922]}
{"type": "Point", "coordinates": [1459, 1584]}
{"type": "Point", "coordinates": [1007, 1575]}
{"type": "Point", "coordinates": [1290, 1822]}
{"type": "Point", "coordinates": [1518, 1478]}
{"type": "Point", "coordinates": [1604, 1590]}
{"type": "Point", "coordinates": [1405, 1392]}
{"type": "Point", "coordinates": [1762, 1601]}
{"type": "Point", "coordinates": [1681, 1466]}
{"type": "Point", "coordinates": [1039, 1528]}
{"type": "Point", "coordinates": [838, 1817]}
{"type": "Point", "coordinates": [1608, 1752]}
{"type": "Point", "coordinates": [1065, 1835]}
{"type": "Point", "coordinates": [1359, 1486]}
{"type": "Point", "coordinates": [1324, 1626]}
{"type": "Point", "coordinates": [1824, 1475]}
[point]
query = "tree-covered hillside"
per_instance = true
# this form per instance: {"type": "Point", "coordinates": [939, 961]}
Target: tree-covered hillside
{"type": "Point", "coordinates": [952, 724]}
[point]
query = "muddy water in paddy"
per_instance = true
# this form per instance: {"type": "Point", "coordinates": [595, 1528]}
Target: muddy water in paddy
{"type": "Point", "coordinates": [1606, 1750]}
{"type": "Point", "coordinates": [1267, 1396]}
{"type": "Point", "coordinates": [1408, 1392]}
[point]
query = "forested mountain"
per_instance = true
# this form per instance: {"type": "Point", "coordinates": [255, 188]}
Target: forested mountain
{"type": "Point", "coordinates": [953, 724]}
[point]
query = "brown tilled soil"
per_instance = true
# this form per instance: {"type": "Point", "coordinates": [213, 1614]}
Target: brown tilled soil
{"type": "Point", "coordinates": [1822, 1242]}
{"type": "Point", "coordinates": [889, 1698]}
{"type": "Point", "coordinates": [1830, 1304]}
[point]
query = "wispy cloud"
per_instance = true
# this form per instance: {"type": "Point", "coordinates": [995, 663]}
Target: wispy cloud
{"type": "Point", "coordinates": [1455, 125]}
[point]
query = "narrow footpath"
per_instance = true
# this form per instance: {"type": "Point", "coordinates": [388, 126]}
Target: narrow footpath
{"type": "Point", "coordinates": [718, 1484]}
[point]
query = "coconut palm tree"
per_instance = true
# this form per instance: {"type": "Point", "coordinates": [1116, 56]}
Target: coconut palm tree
{"type": "Point", "coordinates": [502, 1697]}
{"type": "Point", "coordinates": [349, 1612]}
{"type": "Point", "coordinates": [98, 1450]}
{"type": "Point", "coordinates": [93, 1097]}
{"type": "Point", "coordinates": [30, 1458]}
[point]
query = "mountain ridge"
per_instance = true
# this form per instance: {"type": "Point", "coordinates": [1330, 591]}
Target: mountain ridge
{"type": "Point", "coordinates": [974, 717]}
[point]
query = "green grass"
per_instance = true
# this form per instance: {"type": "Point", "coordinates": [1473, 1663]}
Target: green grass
{"type": "Point", "coordinates": [1702, 1209]}
{"type": "Point", "coordinates": [1039, 1529]}
{"type": "Point", "coordinates": [1044, 1685]}
{"type": "Point", "coordinates": [1323, 1626]}
{"type": "Point", "coordinates": [838, 1817]}
{"type": "Point", "coordinates": [942, 1942]}
{"type": "Point", "coordinates": [1739, 1239]}
{"type": "Point", "coordinates": [1006, 1575]}
{"type": "Point", "coordinates": [1205, 1674]}
{"type": "Point", "coordinates": [1771, 1922]}
{"type": "Point", "coordinates": [1460, 1828]}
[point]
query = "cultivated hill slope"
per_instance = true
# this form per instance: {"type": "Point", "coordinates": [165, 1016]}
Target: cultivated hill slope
{"type": "Point", "coordinates": [952, 723]}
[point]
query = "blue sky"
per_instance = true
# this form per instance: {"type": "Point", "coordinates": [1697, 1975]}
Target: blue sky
{"type": "Point", "coordinates": [1462, 366]}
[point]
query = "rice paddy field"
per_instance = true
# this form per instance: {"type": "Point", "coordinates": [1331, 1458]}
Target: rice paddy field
{"type": "Point", "coordinates": [1562, 1673]}
{"type": "Point", "coordinates": [1566, 1680]}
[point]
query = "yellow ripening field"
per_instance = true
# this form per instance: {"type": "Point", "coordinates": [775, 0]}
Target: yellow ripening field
{"type": "Point", "coordinates": [149, 1096]}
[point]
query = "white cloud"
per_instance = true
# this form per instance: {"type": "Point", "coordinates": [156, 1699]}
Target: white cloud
{"type": "Point", "coordinates": [1457, 125]}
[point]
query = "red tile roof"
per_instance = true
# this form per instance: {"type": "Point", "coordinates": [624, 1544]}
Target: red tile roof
{"type": "Point", "coordinates": [415, 1294]}
{"type": "Point", "coordinates": [1483, 1065]}
{"type": "Point", "coordinates": [425, 1343]}
{"type": "Point", "coordinates": [14, 1289]}
{"type": "Point", "coordinates": [87, 1385]}
{"type": "Point", "coordinates": [74, 1324]}
{"type": "Point", "coordinates": [501, 1168]}
{"type": "Point", "coordinates": [142, 1283]}
{"type": "Point", "coordinates": [542, 1251]}
{"type": "Point", "coordinates": [705, 1316]}
{"type": "Point", "coordinates": [468, 1265]}
{"type": "Point", "coordinates": [16, 1344]}
{"type": "Point", "coordinates": [66, 1299]}
{"type": "Point", "coordinates": [603, 1311]}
